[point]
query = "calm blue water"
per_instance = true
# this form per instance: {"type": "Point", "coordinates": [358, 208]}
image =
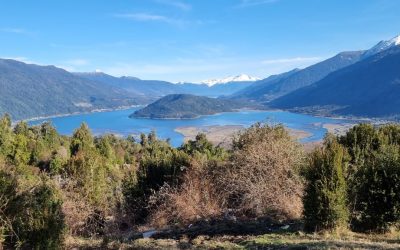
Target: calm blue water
{"type": "Point", "coordinates": [118, 122]}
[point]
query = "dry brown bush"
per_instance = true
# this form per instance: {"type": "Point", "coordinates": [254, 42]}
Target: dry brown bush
{"type": "Point", "coordinates": [84, 218]}
{"type": "Point", "coordinates": [262, 177]}
{"type": "Point", "coordinates": [76, 209]}
{"type": "Point", "coordinates": [196, 199]}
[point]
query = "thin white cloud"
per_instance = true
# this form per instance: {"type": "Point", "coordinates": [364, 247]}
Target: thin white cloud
{"type": "Point", "coordinates": [196, 69]}
{"type": "Point", "coordinates": [248, 3]}
{"type": "Point", "coordinates": [161, 69]}
{"type": "Point", "coordinates": [291, 60]}
{"type": "Point", "coordinates": [143, 17]}
{"type": "Point", "coordinates": [15, 31]}
{"type": "Point", "coordinates": [147, 17]}
{"type": "Point", "coordinates": [175, 3]}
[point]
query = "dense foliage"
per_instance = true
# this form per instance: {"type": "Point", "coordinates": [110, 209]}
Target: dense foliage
{"type": "Point", "coordinates": [54, 186]}
{"type": "Point", "coordinates": [354, 181]}
{"type": "Point", "coordinates": [325, 199]}
{"type": "Point", "coordinates": [374, 176]}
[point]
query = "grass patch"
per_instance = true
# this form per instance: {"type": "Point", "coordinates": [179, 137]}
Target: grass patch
{"type": "Point", "coordinates": [323, 241]}
{"type": "Point", "coordinates": [298, 240]}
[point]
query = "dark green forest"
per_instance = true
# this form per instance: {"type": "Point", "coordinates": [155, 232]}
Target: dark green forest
{"type": "Point", "coordinates": [54, 187]}
{"type": "Point", "coordinates": [186, 106]}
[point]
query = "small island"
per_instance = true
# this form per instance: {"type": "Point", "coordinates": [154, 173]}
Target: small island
{"type": "Point", "coordinates": [185, 106]}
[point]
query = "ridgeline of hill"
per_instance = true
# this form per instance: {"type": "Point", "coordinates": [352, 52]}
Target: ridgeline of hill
{"type": "Point", "coordinates": [282, 84]}
{"type": "Point", "coordinates": [369, 88]}
{"type": "Point", "coordinates": [28, 90]}
{"type": "Point", "coordinates": [155, 89]}
{"type": "Point", "coordinates": [185, 106]}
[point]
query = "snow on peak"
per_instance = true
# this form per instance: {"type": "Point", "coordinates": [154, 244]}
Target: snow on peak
{"type": "Point", "coordinates": [238, 78]}
{"type": "Point", "coordinates": [396, 40]}
{"type": "Point", "coordinates": [383, 45]}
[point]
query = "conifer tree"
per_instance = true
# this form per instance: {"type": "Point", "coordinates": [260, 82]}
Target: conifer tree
{"type": "Point", "coordinates": [325, 199]}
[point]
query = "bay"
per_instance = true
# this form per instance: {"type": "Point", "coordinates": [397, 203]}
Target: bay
{"type": "Point", "coordinates": [118, 122]}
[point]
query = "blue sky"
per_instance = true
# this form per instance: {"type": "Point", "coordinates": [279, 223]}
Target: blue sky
{"type": "Point", "coordinates": [182, 40]}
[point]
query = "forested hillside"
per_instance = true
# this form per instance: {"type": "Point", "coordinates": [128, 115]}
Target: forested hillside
{"type": "Point", "coordinates": [146, 88]}
{"type": "Point", "coordinates": [369, 88]}
{"type": "Point", "coordinates": [280, 85]}
{"type": "Point", "coordinates": [29, 90]}
{"type": "Point", "coordinates": [183, 106]}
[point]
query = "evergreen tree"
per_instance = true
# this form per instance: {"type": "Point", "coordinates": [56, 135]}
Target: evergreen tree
{"type": "Point", "coordinates": [325, 200]}
{"type": "Point", "coordinates": [203, 147]}
{"type": "Point", "coordinates": [82, 139]}
{"type": "Point", "coordinates": [6, 136]}
{"type": "Point", "coordinates": [21, 153]}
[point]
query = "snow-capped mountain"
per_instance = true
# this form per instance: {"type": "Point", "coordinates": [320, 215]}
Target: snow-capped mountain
{"type": "Point", "coordinates": [238, 78]}
{"type": "Point", "coordinates": [383, 45]}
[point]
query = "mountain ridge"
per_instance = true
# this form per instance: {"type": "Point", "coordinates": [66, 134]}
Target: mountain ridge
{"type": "Point", "coordinates": [368, 88]}
{"type": "Point", "coordinates": [294, 80]}
{"type": "Point", "coordinates": [30, 90]}
{"type": "Point", "coordinates": [230, 79]}
{"type": "Point", "coordinates": [154, 89]}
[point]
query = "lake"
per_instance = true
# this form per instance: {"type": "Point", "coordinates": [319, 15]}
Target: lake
{"type": "Point", "coordinates": [118, 122]}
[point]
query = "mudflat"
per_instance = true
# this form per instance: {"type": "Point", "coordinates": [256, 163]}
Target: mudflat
{"type": "Point", "coordinates": [223, 135]}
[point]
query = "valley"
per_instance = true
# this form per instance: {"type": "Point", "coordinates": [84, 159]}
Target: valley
{"type": "Point", "coordinates": [184, 124]}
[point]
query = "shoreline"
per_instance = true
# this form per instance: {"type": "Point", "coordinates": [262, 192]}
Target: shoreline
{"type": "Point", "coordinates": [374, 120]}
{"type": "Point", "coordinates": [353, 119]}
{"type": "Point", "coordinates": [223, 134]}
{"type": "Point", "coordinates": [198, 116]}
{"type": "Point", "coordinates": [37, 118]}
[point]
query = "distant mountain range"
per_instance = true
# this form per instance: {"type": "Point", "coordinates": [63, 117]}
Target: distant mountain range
{"type": "Point", "coordinates": [358, 83]}
{"type": "Point", "coordinates": [28, 90]}
{"type": "Point", "coordinates": [151, 89]}
{"type": "Point", "coordinates": [276, 86]}
{"type": "Point", "coordinates": [382, 46]}
{"type": "Point", "coordinates": [184, 106]}
{"type": "Point", "coordinates": [230, 79]}
{"type": "Point", "coordinates": [154, 89]}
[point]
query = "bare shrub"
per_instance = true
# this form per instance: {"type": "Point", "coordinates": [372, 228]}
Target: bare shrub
{"type": "Point", "coordinates": [196, 199]}
{"type": "Point", "coordinates": [85, 218]}
{"type": "Point", "coordinates": [77, 211]}
{"type": "Point", "coordinates": [262, 177]}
